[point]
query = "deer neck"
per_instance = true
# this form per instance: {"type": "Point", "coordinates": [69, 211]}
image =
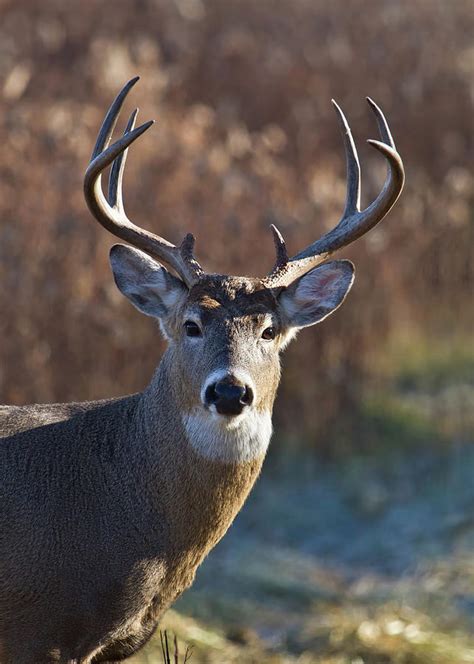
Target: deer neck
{"type": "Point", "coordinates": [199, 491]}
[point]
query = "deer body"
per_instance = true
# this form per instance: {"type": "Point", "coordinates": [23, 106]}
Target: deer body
{"type": "Point", "coordinates": [107, 508]}
{"type": "Point", "coordinates": [118, 532]}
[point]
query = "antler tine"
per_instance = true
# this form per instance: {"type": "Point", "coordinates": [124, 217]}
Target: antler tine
{"type": "Point", "coordinates": [110, 120]}
{"type": "Point", "coordinates": [352, 165]}
{"type": "Point", "coordinates": [118, 167]}
{"type": "Point", "coordinates": [382, 123]}
{"type": "Point", "coordinates": [354, 223]}
{"type": "Point", "coordinates": [110, 213]}
{"type": "Point", "coordinates": [280, 248]}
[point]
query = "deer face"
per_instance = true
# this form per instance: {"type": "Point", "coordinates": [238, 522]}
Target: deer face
{"type": "Point", "coordinates": [225, 336]}
{"type": "Point", "coordinates": [226, 333]}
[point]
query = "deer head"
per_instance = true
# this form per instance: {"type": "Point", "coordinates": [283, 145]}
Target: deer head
{"type": "Point", "coordinates": [225, 333]}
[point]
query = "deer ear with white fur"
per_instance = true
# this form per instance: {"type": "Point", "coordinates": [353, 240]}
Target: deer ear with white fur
{"type": "Point", "coordinates": [315, 295]}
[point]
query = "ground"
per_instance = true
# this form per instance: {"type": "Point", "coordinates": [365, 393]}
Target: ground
{"type": "Point", "coordinates": [357, 562]}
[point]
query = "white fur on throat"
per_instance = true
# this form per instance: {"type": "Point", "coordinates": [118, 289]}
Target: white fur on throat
{"type": "Point", "coordinates": [229, 440]}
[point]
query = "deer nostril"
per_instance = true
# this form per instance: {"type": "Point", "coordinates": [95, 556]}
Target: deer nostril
{"type": "Point", "coordinates": [247, 396]}
{"type": "Point", "coordinates": [210, 395]}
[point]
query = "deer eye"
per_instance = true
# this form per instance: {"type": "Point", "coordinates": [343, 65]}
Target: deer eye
{"type": "Point", "coordinates": [192, 329]}
{"type": "Point", "coordinates": [269, 333]}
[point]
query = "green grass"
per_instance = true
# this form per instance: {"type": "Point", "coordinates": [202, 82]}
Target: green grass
{"type": "Point", "coordinates": [422, 394]}
{"type": "Point", "coordinates": [432, 367]}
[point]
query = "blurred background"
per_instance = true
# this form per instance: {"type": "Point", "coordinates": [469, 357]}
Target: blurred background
{"type": "Point", "coordinates": [357, 544]}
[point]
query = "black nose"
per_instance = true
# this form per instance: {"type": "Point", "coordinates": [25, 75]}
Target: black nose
{"type": "Point", "coordinates": [229, 396]}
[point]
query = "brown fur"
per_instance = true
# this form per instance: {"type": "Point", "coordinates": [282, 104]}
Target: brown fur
{"type": "Point", "coordinates": [106, 509]}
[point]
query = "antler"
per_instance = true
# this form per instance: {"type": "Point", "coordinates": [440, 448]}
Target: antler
{"type": "Point", "coordinates": [110, 213]}
{"type": "Point", "coordinates": [354, 222]}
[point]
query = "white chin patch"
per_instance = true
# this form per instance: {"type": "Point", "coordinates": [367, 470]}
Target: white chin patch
{"type": "Point", "coordinates": [236, 439]}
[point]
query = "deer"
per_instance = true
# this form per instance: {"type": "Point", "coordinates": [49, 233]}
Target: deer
{"type": "Point", "coordinates": [107, 508]}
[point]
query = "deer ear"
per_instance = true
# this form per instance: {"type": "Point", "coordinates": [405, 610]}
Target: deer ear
{"type": "Point", "coordinates": [312, 297]}
{"type": "Point", "coordinates": [148, 286]}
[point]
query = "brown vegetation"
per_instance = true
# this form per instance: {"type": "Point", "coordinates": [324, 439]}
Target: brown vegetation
{"type": "Point", "coordinates": [246, 135]}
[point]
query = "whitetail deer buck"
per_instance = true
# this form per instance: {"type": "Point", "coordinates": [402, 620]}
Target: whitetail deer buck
{"type": "Point", "coordinates": [107, 508]}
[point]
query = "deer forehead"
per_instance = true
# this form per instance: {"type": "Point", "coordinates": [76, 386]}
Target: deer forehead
{"type": "Point", "coordinates": [224, 297]}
